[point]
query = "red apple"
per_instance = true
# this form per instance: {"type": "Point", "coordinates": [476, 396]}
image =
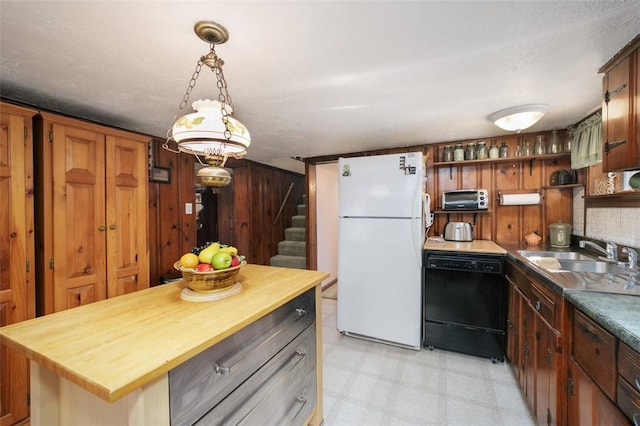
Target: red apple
{"type": "Point", "coordinates": [235, 261]}
{"type": "Point", "coordinates": [204, 267]}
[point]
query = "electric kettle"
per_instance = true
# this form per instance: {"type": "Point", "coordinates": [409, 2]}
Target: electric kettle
{"type": "Point", "coordinates": [458, 231]}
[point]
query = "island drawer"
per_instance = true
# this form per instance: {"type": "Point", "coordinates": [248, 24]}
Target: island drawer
{"type": "Point", "coordinates": [202, 382]}
{"type": "Point", "coordinates": [594, 348]}
{"type": "Point", "coordinates": [282, 392]}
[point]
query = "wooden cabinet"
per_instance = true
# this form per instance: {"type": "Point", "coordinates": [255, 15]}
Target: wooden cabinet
{"type": "Point", "coordinates": [620, 113]}
{"type": "Point", "coordinates": [17, 257]}
{"type": "Point", "coordinates": [534, 342]}
{"type": "Point", "coordinates": [628, 397]}
{"type": "Point", "coordinates": [94, 209]}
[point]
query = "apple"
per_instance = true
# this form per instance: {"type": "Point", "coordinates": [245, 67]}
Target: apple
{"type": "Point", "coordinates": [235, 261]}
{"type": "Point", "coordinates": [204, 267]}
{"type": "Point", "coordinates": [221, 260]}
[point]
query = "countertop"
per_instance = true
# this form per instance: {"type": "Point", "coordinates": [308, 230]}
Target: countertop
{"type": "Point", "coordinates": [476, 246]}
{"type": "Point", "coordinates": [600, 296]}
{"type": "Point", "coordinates": [115, 346]}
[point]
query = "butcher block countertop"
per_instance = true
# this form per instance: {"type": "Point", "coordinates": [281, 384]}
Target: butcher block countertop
{"type": "Point", "coordinates": [476, 246]}
{"type": "Point", "coordinates": [115, 346]}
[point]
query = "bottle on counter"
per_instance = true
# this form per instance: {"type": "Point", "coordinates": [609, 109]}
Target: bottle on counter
{"type": "Point", "coordinates": [447, 153]}
{"type": "Point", "coordinates": [481, 151]}
{"type": "Point", "coordinates": [504, 150]}
{"type": "Point", "coordinates": [494, 151]}
{"type": "Point", "coordinates": [458, 153]}
{"type": "Point", "coordinates": [470, 152]}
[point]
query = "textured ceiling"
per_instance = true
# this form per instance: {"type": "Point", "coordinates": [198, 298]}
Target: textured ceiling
{"type": "Point", "coordinates": [313, 78]}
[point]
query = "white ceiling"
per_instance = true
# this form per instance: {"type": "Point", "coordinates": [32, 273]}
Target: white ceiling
{"type": "Point", "coordinates": [313, 78]}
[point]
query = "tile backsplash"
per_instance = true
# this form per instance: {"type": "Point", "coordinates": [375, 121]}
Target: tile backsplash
{"type": "Point", "coordinates": [618, 224]}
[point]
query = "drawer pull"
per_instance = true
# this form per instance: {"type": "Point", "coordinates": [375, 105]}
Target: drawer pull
{"type": "Point", "coordinates": [538, 305]}
{"type": "Point", "coordinates": [636, 419]}
{"type": "Point", "coordinates": [224, 367]}
{"type": "Point", "coordinates": [637, 382]}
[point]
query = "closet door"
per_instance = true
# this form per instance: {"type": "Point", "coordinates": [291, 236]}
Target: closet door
{"type": "Point", "coordinates": [126, 215]}
{"type": "Point", "coordinates": [78, 209]}
{"type": "Point", "coordinates": [17, 283]}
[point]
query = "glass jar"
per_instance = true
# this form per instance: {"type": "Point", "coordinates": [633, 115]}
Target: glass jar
{"type": "Point", "coordinates": [458, 153]}
{"type": "Point", "coordinates": [554, 143]}
{"type": "Point", "coordinates": [494, 151]}
{"type": "Point", "coordinates": [526, 147]}
{"type": "Point", "coordinates": [504, 150]}
{"type": "Point", "coordinates": [539, 147]}
{"type": "Point", "coordinates": [567, 142]}
{"type": "Point", "coordinates": [481, 151]}
{"type": "Point", "coordinates": [447, 153]}
{"type": "Point", "coordinates": [470, 152]}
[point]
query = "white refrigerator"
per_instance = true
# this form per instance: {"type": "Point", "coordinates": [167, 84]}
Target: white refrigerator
{"type": "Point", "coordinates": [380, 240]}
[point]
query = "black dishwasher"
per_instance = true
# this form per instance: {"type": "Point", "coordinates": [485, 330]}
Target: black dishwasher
{"type": "Point", "coordinates": [464, 303]}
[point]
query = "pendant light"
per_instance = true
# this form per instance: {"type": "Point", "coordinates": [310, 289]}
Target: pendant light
{"type": "Point", "coordinates": [518, 118]}
{"type": "Point", "coordinates": [210, 133]}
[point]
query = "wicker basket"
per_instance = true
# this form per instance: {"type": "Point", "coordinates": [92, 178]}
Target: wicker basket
{"type": "Point", "coordinates": [207, 282]}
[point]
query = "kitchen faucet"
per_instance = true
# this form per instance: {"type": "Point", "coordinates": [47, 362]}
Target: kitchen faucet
{"type": "Point", "coordinates": [611, 252]}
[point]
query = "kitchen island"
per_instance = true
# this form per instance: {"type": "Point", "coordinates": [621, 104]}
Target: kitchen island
{"type": "Point", "coordinates": [109, 362]}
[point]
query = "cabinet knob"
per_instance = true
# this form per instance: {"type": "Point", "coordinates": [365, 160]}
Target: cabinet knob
{"type": "Point", "coordinates": [538, 305]}
{"type": "Point", "coordinates": [112, 227]}
{"type": "Point", "coordinates": [101, 228]}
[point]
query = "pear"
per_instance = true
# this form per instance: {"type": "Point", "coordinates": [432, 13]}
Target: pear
{"type": "Point", "coordinates": [206, 254]}
{"type": "Point", "coordinates": [230, 249]}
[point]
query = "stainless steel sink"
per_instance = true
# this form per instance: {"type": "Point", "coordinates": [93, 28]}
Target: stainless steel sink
{"type": "Point", "coordinates": [588, 266]}
{"type": "Point", "coordinates": [571, 255]}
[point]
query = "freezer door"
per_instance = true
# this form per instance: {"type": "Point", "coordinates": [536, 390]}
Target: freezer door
{"type": "Point", "coordinates": [381, 186]}
{"type": "Point", "coordinates": [379, 279]}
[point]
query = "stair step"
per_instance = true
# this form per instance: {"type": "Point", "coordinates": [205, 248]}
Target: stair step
{"type": "Point", "coordinates": [299, 221]}
{"type": "Point", "coordinates": [302, 209]}
{"type": "Point", "coordinates": [296, 262]}
{"type": "Point", "coordinates": [295, 234]}
{"type": "Point", "coordinates": [292, 248]}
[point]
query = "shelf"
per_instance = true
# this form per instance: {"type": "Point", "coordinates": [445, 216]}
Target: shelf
{"type": "Point", "coordinates": [620, 199]}
{"type": "Point", "coordinates": [502, 160]}
{"type": "Point", "coordinates": [571, 185]}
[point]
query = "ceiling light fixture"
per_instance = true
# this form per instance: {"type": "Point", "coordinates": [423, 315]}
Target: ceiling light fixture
{"type": "Point", "coordinates": [210, 133]}
{"type": "Point", "coordinates": [518, 118]}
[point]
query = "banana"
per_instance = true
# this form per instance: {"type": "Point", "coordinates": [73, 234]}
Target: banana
{"type": "Point", "coordinates": [231, 250]}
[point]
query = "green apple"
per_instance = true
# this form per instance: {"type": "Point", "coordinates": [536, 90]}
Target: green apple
{"type": "Point", "coordinates": [221, 260]}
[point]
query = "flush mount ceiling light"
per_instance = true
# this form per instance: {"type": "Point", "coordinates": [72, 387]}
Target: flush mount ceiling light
{"type": "Point", "coordinates": [518, 118]}
{"type": "Point", "coordinates": [210, 133]}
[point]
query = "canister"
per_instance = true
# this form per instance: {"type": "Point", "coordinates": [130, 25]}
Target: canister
{"type": "Point", "coordinates": [560, 234]}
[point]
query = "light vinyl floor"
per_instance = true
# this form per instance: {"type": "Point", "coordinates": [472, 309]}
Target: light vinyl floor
{"type": "Point", "coordinates": [368, 383]}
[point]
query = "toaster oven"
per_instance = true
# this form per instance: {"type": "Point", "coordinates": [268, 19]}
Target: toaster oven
{"type": "Point", "coordinates": [465, 199]}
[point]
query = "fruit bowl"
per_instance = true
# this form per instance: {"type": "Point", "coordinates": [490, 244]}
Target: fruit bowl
{"type": "Point", "coordinates": [210, 281]}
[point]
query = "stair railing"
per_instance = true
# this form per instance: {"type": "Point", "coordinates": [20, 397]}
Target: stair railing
{"type": "Point", "coordinates": [286, 197]}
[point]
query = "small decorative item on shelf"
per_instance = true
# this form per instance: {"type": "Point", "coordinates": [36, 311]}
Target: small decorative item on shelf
{"type": "Point", "coordinates": [494, 151]}
{"type": "Point", "coordinates": [526, 147]}
{"type": "Point", "coordinates": [458, 153]}
{"type": "Point", "coordinates": [539, 147]}
{"type": "Point", "coordinates": [611, 182]}
{"type": "Point", "coordinates": [470, 152]}
{"type": "Point", "coordinates": [481, 151]}
{"type": "Point", "coordinates": [447, 153]}
{"type": "Point", "coordinates": [519, 151]}
{"type": "Point", "coordinates": [554, 143]}
{"type": "Point", "coordinates": [504, 150]}
{"type": "Point", "coordinates": [533, 239]}
{"type": "Point", "coordinates": [567, 142]}
{"type": "Point", "coordinates": [553, 180]}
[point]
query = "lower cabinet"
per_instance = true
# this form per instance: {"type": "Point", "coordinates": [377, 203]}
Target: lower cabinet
{"type": "Point", "coordinates": [266, 371]}
{"type": "Point", "coordinates": [534, 344]}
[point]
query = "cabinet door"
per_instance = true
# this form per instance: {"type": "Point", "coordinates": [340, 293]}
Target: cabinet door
{"type": "Point", "coordinates": [17, 287]}
{"type": "Point", "coordinates": [527, 374]}
{"type": "Point", "coordinates": [126, 216]}
{"type": "Point", "coordinates": [513, 328]}
{"type": "Point", "coordinates": [620, 148]}
{"type": "Point", "coordinates": [546, 373]}
{"type": "Point", "coordinates": [78, 211]}
{"type": "Point", "coordinates": [586, 404]}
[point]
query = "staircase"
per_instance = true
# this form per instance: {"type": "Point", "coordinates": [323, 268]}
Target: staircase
{"type": "Point", "coordinates": [292, 252]}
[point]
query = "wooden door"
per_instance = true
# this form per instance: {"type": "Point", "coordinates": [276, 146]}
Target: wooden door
{"type": "Point", "coordinates": [616, 118]}
{"type": "Point", "coordinates": [527, 373]}
{"type": "Point", "coordinates": [17, 285]}
{"type": "Point", "coordinates": [513, 328]}
{"type": "Point", "coordinates": [78, 211]}
{"type": "Point", "coordinates": [126, 216]}
{"type": "Point", "coordinates": [546, 373]}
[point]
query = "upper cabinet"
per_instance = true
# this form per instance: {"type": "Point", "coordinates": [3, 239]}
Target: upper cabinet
{"type": "Point", "coordinates": [94, 212]}
{"type": "Point", "coordinates": [621, 110]}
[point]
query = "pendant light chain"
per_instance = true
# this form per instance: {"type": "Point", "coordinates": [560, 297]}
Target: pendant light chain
{"type": "Point", "coordinates": [183, 103]}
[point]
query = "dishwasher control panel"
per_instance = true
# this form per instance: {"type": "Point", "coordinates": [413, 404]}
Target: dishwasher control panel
{"type": "Point", "coordinates": [490, 265]}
